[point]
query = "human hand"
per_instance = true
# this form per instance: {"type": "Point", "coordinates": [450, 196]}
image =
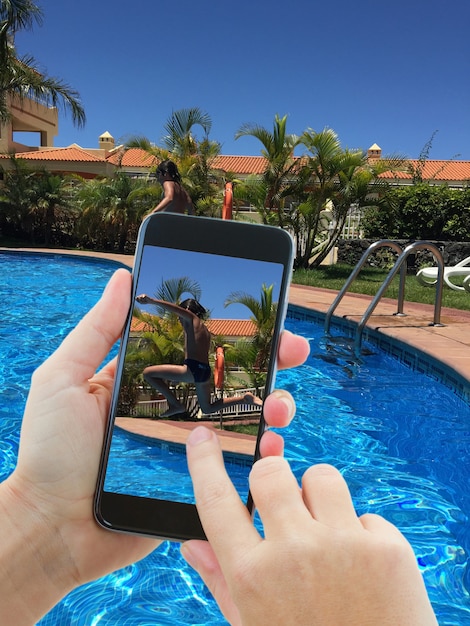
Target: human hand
{"type": "Point", "coordinates": [143, 299]}
{"type": "Point", "coordinates": [46, 504]}
{"type": "Point", "coordinates": [60, 447]}
{"type": "Point", "coordinates": [319, 563]}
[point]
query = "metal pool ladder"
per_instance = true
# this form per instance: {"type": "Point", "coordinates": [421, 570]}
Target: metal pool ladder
{"type": "Point", "coordinates": [399, 265]}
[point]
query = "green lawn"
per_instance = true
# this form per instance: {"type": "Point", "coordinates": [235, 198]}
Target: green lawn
{"type": "Point", "coordinates": [369, 281]}
{"type": "Point", "coordinates": [246, 429]}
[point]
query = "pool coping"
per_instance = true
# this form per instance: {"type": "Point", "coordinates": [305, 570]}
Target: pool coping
{"type": "Point", "coordinates": [236, 447]}
{"type": "Point", "coordinates": [412, 357]}
{"type": "Point", "coordinates": [442, 352]}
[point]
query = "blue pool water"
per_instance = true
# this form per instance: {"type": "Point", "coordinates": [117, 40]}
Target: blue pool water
{"type": "Point", "coordinates": [401, 439]}
{"type": "Point", "coordinates": [157, 467]}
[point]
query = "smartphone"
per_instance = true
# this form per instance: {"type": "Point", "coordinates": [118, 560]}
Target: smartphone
{"type": "Point", "coordinates": [199, 346]}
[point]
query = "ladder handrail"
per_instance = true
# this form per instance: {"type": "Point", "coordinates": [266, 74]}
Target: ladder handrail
{"type": "Point", "coordinates": [399, 264]}
{"type": "Point", "coordinates": [383, 243]}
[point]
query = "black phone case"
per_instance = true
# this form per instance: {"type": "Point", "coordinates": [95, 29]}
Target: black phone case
{"type": "Point", "coordinates": [225, 239]}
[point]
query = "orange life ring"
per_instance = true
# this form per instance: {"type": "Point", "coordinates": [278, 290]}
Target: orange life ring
{"type": "Point", "coordinates": [219, 369]}
{"type": "Point", "coordinates": [228, 202]}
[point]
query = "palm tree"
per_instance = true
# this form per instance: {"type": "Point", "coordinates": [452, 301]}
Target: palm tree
{"type": "Point", "coordinates": [52, 204]}
{"type": "Point", "coordinates": [165, 336]}
{"type": "Point", "coordinates": [180, 139]}
{"type": "Point", "coordinates": [254, 355]}
{"type": "Point", "coordinates": [16, 195]}
{"type": "Point", "coordinates": [117, 204]}
{"type": "Point", "coordinates": [19, 77]}
{"type": "Point", "coordinates": [329, 182]}
{"type": "Point", "coordinates": [193, 156]}
{"type": "Point", "coordinates": [172, 289]}
{"type": "Point", "coordinates": [36, 204]}
{"type": "Point", "coordinates": [244, 354]}
{"type": "Point", "coordinates": [254, 191]}
{"type": "Point", "coordinates": [281, 166]}
{"type": "Point", "coordinates": [204, 184]}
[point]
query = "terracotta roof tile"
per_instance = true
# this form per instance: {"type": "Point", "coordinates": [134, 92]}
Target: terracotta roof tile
{"type": "Point", "coordinates": [227, 328]}
{"type": "Point", "coordinates": [72, 153]}
{"type": "Point", "coordinates": [435, 170]}
{"type": "Point", "coordinates": [139, 326]}
{"type": "Point", "coordinates": [240, 164]}
{"type": "Point", "coordinates": [231, 328]}
{"type": "Point", "coordinates": [133, 157]}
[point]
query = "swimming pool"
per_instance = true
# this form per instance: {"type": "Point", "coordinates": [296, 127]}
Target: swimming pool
{"type": "Point", "coordinates": [157, 466]}
{"type": "Point", "coordinates": [401, 439]}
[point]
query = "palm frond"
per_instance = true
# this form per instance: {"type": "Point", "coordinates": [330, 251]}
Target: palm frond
{"type": "Point", "coordinates": [20, 14]}
{"type": "Point", "coordinates": [172, 289]}
{"type": "Point", "coordinates": [179, 137]}
{"type": "Point", "coordinates": [21, 79]}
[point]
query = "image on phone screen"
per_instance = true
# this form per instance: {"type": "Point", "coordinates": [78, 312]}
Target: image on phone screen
{"type": "Point", "coordinates": [198, 352]}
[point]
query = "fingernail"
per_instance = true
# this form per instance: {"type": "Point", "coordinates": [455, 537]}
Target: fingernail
{"type": "Point", "coordinates": [199, 435]}
{"type": "Point", "coordinates": [286, 399]}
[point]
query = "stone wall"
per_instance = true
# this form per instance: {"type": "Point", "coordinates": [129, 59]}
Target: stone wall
{"type": "Point", "coordinates": [351, 250]}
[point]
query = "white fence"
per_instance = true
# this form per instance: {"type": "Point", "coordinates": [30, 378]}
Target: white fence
{"type": "Point", "coordinates": [352, 226]}
{"type": "Point", "coordinates": [154, 408]}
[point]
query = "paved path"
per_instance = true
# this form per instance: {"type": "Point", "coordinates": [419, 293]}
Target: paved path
{"type": "Point", "coordinates": [177, 432]}
{"type": "Point", "coordinates": [449, 343]}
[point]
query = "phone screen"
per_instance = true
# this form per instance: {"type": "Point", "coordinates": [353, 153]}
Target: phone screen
{"type": "Point", "coordinates": [198, 349]}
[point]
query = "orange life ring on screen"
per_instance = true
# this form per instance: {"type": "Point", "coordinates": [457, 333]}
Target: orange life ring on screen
{"type": "Point", "coordinates": [228, 202]}
{"type": "Point", "coordinates": [219, 369]}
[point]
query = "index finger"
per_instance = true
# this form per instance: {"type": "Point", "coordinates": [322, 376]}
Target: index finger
{"type": "Point", "coordinates": [224, 517]}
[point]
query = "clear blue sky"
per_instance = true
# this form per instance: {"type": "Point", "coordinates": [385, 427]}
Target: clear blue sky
{"type": "Point", "coordinates": [217, 276]}
{"type": "Point", "coordinates": [390, 73]}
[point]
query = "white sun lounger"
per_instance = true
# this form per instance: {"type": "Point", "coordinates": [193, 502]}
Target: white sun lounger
{"type": "Point", "coordinates": [428, 275]}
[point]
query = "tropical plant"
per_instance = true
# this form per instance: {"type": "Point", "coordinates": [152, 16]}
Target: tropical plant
{"type": "Point", "coordinates": [331, 179]}
{"type": "Point", "coordinates": [112, 209]}
{"type": "Point", "coordinates": [52, 206]}
{"type": "Point", "coordinates": [310, 196]}
{"type": "Point", "coordinates": [421, 211]}
{"type": "Point", "coordinates": [253, 190]}
{"type": "Point", "coordinates": [244, 353]}
{"type": "Point", "coordinates": [172, 289]}
{"type": "Point", "coordinates": [180, 140]}
{"type": "Point", "coordinates": [254, 355]}
{"type": "Point", "coordinates": [194, 157]}
{"type": "Point", "coordinates": [131, 380]}
{"type": "Point", "coordinates": [331, 182]}
{"type": "Point", "coordinates": [37, 204]}
{"type": "Point", "coordinates": [269, 191]}
{"type": "Point", "coordinates": [161, 342]}
{"type": "Point", "coordinates": [19, 76]}
{"type": "Point", "coordinates": [204, 184]}
{"type": "Point", "coordinates": [16, 195]}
